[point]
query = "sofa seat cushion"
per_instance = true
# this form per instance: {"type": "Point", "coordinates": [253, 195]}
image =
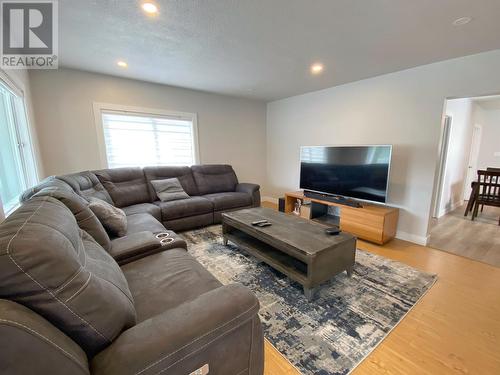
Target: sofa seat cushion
{"type": "Point", "coordinates": [143, 208]}
{"type": "Point", "coordinates": [50, 265]}
{"type": "Point", "coordinates": [165, 280]}
{"type": "Point", "coordinates": [143, 222]}
{"type": "Point", "coordinates": [229, 200]}
{"type": "Point", "coordinates": [185, 207]}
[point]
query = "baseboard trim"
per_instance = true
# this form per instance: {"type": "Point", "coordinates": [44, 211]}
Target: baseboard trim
{"type": "Point", "coordinates": [452, 207]}
{"type": "Point", "coordinates": [419, 240]}
{"type": "Point", "coordinates": [269, 199]}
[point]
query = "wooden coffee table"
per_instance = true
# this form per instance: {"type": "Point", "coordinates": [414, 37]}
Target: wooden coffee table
{"type": "Point", "coordinates": [299, 248]}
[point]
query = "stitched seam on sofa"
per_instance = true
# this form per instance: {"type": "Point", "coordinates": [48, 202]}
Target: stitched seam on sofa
{"type": "Point", "coordinates": [244, 371]}
{"type": "Point", "coordinates": [62, 287]}
{"type": "Point", "coordinates": [39, 335]}
{"type": "Point", "coordinates": [80, 289]}
{"type": "Point", "coordinates": [198, 338]}
{"type": "Point", "coordinates": [120, 289]}
{"type": "Point", "coordinates": [38, 283]}
{"type": "Point", "coordinates": [204, 346]}
{"type": "Point", "coordinates": [251, 345]}
{"type": "Point", "coordinates": [87, 218]}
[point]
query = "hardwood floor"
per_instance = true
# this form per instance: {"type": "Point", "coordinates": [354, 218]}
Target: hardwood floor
{"type": "Point", "coordinates": [478, 239]}
{"type": "Point", "coordinates": [454, 329]}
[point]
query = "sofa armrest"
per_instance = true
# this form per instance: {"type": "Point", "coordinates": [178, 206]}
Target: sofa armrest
{"type": "Point", "coordinates": [219, 329]}
{"type": "Point", "coordinates": [32, 345]}
{"type": "Point", "coordinates": [251, 189]}
{"type": "Point", "coordinates": [140, 244]}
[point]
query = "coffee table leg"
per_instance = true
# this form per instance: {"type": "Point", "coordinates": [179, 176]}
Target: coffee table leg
{"type": "Point", "coordinates": [225, 229]}
{"type": "Point", "coordinates": [309, 293]}
{"type": "Point", "coordinates": [349, 271]}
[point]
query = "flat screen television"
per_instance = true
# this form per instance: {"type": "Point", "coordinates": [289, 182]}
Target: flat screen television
{"type": "Point", "coordinates": [359, 172]}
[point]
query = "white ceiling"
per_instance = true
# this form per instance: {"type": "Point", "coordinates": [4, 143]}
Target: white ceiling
{"type": "Point", "coordinates": [263, 48]}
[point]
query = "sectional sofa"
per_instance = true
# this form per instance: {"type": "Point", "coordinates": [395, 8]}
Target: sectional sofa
{"type": "Point", "coordinates": [75, 300]}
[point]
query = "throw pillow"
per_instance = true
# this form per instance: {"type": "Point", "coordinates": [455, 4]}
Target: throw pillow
{"type": "Point", "coordinates": [111, 217]}
{"type": "Point", "coordinates": [169, 189]}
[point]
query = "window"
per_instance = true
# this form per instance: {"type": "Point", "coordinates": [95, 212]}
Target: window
{"type": "Point", "coordinates": [17, 165]}
{"type": "Point", "coordinates": [141, 139]}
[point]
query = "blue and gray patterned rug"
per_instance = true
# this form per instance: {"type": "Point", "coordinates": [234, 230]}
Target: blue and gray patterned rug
{"type": "Point", "coordinates": [347, 320]}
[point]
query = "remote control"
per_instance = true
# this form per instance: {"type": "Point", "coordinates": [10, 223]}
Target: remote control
{"type": "Point", "coordinates": [259, 222]}
{"type": "Point", "coordinates": [335, 231]}
{"type": "Point", "coordinates": [262, 225]}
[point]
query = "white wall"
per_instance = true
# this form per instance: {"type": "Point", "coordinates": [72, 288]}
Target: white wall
{"type": "Point", "coordinates": [231, 130]}
{"type": "Point", "coordinates": [403, 109]}
{"type": "Point", "coordinates": [490, 140]}
{"type": "Point", "coordinates": [457, 158]}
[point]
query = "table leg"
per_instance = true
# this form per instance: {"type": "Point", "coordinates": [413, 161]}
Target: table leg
{"type": "Point", "coordinates": [349, 271]}
{"type": "Point", "coordinates": [225, 229]}
{"type": "Point", "coordinates": [309, 293]}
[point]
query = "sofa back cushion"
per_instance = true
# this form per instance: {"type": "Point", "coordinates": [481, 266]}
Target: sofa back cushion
{"type": "Point", "coordinates": [80, 209]}
{"type": "Point", "coordinates": [214, 178]}
{"type": "Point", "coordinates": [126, 186]}
{"type": "Point", "coordinates": [50, 181]}
{"type": "Point", "coordinates": [183, 174]}
{"type": "Point", "coordinates": [50, 265]}
{"type": "Point", "coordinates": [86, 184]}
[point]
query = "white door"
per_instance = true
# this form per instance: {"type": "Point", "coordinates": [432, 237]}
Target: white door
{"type": "Point", "coordinates": [473, 156]}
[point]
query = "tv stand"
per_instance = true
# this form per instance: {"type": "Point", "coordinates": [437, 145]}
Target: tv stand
{"type": "Point", "coordinates": [370, 222]}
{"type": "Point", "coordinates": [332, 198]}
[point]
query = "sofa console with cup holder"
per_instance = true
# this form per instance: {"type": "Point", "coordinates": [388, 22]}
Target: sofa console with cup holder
{"type": "Point", "coordinates": [78, 298]}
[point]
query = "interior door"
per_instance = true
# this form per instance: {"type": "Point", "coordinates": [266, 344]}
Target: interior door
{"type": "Point", "coordinates": [473, 156]}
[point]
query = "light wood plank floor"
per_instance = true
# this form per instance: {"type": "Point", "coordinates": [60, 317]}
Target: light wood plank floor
{"type": "Point", "coordinates": [454, 329]}
{"type": "Point", "coordinates": [478, 239]}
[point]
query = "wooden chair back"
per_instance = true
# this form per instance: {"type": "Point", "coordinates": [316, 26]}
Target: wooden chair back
{"type": "Point", "coordinates": [489, 188]}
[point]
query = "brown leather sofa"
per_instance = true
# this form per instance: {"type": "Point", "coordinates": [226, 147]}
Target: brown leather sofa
{"type": "Point", "coordinates": [68, 307]}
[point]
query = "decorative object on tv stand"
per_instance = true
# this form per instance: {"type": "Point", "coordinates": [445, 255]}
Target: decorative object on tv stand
{"type": "Point", "coordinates": [298, 205]}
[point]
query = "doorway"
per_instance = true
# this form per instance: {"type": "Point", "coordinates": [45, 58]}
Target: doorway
{"type": "Point", "coordinates": [470, 141]}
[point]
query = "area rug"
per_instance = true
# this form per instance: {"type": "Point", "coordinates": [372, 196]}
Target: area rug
{"type": "Point", "coordinates": [347, 320]}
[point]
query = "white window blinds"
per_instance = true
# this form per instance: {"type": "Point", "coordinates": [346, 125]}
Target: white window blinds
{"type": "Point", "coordinates": [142, 140]}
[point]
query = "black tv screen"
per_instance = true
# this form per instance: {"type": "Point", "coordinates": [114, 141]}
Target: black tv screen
{"type": "Point", "coordinates": [360, 172]}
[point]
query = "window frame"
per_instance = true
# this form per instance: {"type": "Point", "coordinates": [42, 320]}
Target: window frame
{"type": "Point", "coordinates": [24, 139]}
{"type": "Point", "coordinates": [100, 108]}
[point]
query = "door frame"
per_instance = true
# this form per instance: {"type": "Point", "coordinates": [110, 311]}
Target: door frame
{"type": "Point", "coordinates": [443, 156]}
{"type": "Point", "coordinates": [472, 155]}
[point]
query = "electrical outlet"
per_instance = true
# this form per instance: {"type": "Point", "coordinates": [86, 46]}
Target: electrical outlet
{"type": "Point", "coordinates": [496, 154]}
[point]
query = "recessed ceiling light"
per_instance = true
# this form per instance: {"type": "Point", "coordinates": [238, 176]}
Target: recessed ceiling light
{"type": "Point", "coordinates": [462, 21]}
{"type": "Point", "coordinates": [150, 8]}
{"type": "Point", "coordinates": [317, 68]}
{"type": "Point", "coordinates": [122, 64]}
